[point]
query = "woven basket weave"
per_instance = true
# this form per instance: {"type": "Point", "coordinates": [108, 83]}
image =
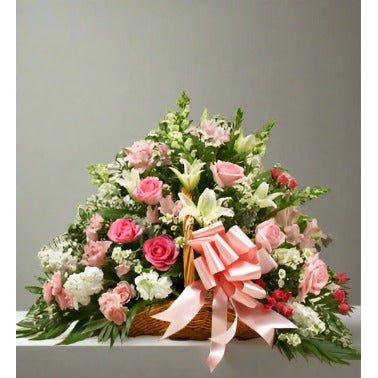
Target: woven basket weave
{"type": "Point", "coordinates": [200, 326]}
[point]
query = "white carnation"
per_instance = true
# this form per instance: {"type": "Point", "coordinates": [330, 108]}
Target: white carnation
{"type": "Point", "coordinates": [307, 320]}
{"type": "Point", "coordinates": [82, 285]}
{"type": "Point", "coordinates": [150, 286]}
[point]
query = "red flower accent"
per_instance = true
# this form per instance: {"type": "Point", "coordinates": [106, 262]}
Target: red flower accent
{"type": "Point", "coordinates": [270, 303]}
{"type": "Point", "coordinates": [344, 308]}
{"type": "Point", "coordinates": [284, 310]}
{"type": "Point", "coordinates": [283, 180]}
{"type": "Point", "coordinates": [292, 184]}
{"type": "Point", "coordinates": [339, 295]}
{"type": "Point", "coordinates": [276, 173]}
{"type": "Point", "coordinates": [341, 278]}
{"type": "Point", "coordinates": [260, 282]}
{"type": "Point", "coordinates": [281, 296]}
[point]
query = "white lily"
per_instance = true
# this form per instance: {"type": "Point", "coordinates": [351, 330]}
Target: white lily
{"type": "Point", "coordinates": [130, 180]}
{"type": "Point", "coordinates": [192, 173]}
{"type": "Point", "coordinates": [261, 197]}
{"type": "Point", "coordinates": [208, 209]}
{"type": "Point", "coordinates": [245, 144]}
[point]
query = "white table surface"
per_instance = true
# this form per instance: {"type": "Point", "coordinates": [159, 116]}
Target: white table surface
{"type": "Point", "coordinates": [148, 356]}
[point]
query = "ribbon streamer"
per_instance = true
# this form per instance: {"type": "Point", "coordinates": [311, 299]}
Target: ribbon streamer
{"type": "Point", "coordinates": [228, 264]}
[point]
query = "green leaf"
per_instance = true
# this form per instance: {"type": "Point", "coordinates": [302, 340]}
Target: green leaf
{"type": "Point", "coordinates": [134, 310]}
{"type": "Point", "coordinates": [34, 289]}
{"type": "Point", "coordinates": [111, 214]}
{"type": "Point", "coordinates": [52, 333]}
{"type": "Point", "coordinates": [76, 334]}
{"type": "Point", "coordinates": [95, 325]}
{"type": "Point", "coordinates": [174, 271]}
{"type": "Point", "coordinates": [238, 119]}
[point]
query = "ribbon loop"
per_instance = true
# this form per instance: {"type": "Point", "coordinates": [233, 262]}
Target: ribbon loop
{"type": "Point", "coordinates": [229, 263]}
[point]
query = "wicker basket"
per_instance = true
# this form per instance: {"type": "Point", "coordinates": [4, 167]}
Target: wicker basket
{"type": "Point", "coordinates": [200, 326]}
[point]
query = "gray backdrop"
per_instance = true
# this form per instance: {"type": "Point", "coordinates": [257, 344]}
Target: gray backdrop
{"type": "Point", "coordinates": [93, 76]}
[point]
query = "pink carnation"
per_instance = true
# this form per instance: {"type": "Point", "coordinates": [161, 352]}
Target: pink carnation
{"type": "Point", "coordinates": [164, 154]}
{"type": "Point", "coordinates": [287, 216]}
{"type": "Point", "coordinates": [54, 289]}
{"type": "Point", "coordinates": [94, 253]}
{"type": "Point", "coordinates": [161, 252]}
{"type": "Point", "coordinates": [95, 225]}
{"type": "Point", "coordinates": [111, 306]}
{"type": "Point", "coordinates": [269, 236]}
{"type": "Point", "coordinates": [124, 231]}
{"type": "Point", "coordinates": [227, 174]}
{"type": "Point", "coordinates": [149, 191]}
{"type": "Point", "coordinates": [315, 277]}
{"type": "Point", "coordinates": [140, 155]}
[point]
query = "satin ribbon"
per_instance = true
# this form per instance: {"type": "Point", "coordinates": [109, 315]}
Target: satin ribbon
{"type": "Point", "coordinates": [228, 264]}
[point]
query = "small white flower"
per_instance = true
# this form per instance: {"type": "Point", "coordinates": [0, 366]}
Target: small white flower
{"type": "Point", "coordinates": [108, 191]}
{"type": "Point", "coordinates": [281, 283]}
{"type": "Point", "coordinates": [208, 209]}
{"type": "Point", "coordinates": [290, 257]}
{"type": "Point", "coordinates": [292, 339]}
{"type": "Point", "coordinates": [138, 268]}
{"type": "Point", "coordinates": [150, 286]}
{"type": "Point", "coordinates": [282, 273]}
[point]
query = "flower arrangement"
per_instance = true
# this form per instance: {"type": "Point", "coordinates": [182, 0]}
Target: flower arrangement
{"type": "Point", "coordinates": [188, 215]}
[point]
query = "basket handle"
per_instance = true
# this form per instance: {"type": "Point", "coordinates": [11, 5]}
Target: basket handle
{"type": "Point", "coordinates": [188, 253]}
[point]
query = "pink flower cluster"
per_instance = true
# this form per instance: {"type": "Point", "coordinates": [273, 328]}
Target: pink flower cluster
{"type": "Point", "coordinates": [166, 207]}
{"type": "Point", "coordinates": [54, 290]}
{"type": "Point", "coordinates": [212, 133]}
{"type": "Point", "coordinates": [111, 303]}
{"type": "Point", "coordinates": [149, 191]}
{"type": "Point", "coordinates": [141, 155]}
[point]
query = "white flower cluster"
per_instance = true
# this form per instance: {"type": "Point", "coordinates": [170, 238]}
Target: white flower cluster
{"type": "Point", "coordinates": [120, 256]}
{"type": "Point", "coordinates": [150, 286]}
{"type": "Point", "coordinates": [58, 256]}
{"type": "Point", "coordinates": [107, 191]}
{"type": "Point", "coordinates": [82, 285]}
{"type": "Point", "coordinates": [307, 320]}
{"type": "Point", "coordinates": [290, 257]}
{"type": "Point", "coordinates": [292, 339]}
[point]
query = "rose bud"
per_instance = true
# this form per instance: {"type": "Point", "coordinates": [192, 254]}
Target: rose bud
{"type": "Point", "coordinates": [339, 295]}
{"type": "Point", "coordinates": [276, 173]}
{"type": "Point", "coordinates": [341, 278]}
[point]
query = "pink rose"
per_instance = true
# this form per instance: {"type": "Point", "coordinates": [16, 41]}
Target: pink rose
{"type": "Point", "coordinates": [161, 252]}
{"type": "Point", "coordinates": [227, 174]}
{"type": "Point", "coordinates": [140, 155]}
{"type": "Point", "coordinates": [47, 292]}
{"type": "Point", "coordinates": [111, 306]}
{"type": "Point", "coordinates": [95, 225]}
{"type": "Point", "coordinates": [124, 231]}
{"type": "Point", "coordinates": [149, 191]}
{"type": "Point", "coordinates": [315, 277]}
{"type": "Point", "coordinates": [94, 253]}
{"type": "Point", "coordinates": [269, 236]}
{"type": "Point", "coordinates": [169, 207]}
{"type": "Point", "coordinates": [152, 214]}
{"type": "Point", "coordinates": [122, 269]}
{"type": "Point", "coordinates": [125, 290]}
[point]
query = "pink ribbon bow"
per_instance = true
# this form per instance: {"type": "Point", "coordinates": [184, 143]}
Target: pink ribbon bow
{"type": "Point", "coordinates": [228, 264]}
